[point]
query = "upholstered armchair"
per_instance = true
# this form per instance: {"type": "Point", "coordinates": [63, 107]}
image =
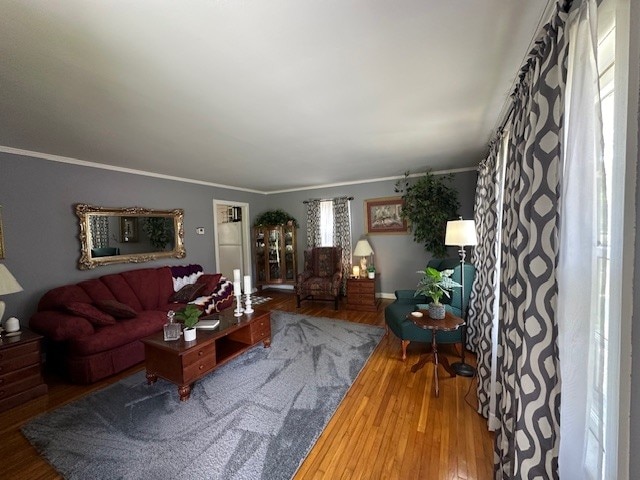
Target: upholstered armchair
{"type": "Point", "coordinates": [395, 314]}
{"type": "Point", "coordinates": [322, 275]}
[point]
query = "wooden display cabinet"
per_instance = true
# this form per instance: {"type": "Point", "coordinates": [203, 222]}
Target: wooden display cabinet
{"type": "Point", "coordinates": [275, 254]}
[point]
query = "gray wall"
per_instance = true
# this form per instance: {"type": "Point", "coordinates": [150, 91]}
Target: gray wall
{"type": "Point", "coordinates": [397, 257]}
{"type": "Point", "coordinates": [41, 229]}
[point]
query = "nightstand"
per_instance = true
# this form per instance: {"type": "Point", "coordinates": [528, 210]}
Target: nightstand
{"type": "Point", "coordinates": [361, 294]}
{"type": "Point", "coordinates": [20, 369]}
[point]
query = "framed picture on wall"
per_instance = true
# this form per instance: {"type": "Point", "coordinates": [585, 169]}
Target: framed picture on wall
{"type": "Point", "coordinates": [382, 215]}
{"type": "Point", "coordinates": [1, 236]}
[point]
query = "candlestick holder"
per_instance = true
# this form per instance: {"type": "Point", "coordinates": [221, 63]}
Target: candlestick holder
{"type": "Point", "coordinates": [238, 311]}
{"type": "Point", "coordinates": [247, 303]}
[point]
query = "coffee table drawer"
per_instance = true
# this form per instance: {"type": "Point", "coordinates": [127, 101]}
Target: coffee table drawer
{"type": "Point", "coordinates": [198, 354]}
{"type": "Point", "coordinates": [199, 368]}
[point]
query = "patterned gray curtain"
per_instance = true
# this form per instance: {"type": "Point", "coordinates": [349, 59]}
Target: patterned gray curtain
{"type": "Point", "coordinates": [313, 223]}
{"type": "Point", "coordinates": [527, 388]}
{"type": "Point", "coordinates": [482, 302]}
{"type": "Point", "coordinates": [99, 226]}
{"type": "Point", "coordinates": [342, 235]}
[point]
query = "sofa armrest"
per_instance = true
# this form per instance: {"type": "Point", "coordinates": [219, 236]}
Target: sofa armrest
{"type": "Point", "coordinates": [59, 326]}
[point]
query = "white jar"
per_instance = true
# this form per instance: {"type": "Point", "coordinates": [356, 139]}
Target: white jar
{"type": "Point", "coordinates": [12, 325]}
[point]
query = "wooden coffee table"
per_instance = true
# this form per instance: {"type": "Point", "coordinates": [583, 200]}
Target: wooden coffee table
{"type": "Point", "coordinates": [449, 323]}
{"type": "Point", "coordinates": [183, 363]}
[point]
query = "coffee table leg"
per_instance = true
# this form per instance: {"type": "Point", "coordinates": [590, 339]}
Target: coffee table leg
{"type": "Point", "coordinates": [151, 378]}
{"type": "Point", "coordinates": [185, 392]}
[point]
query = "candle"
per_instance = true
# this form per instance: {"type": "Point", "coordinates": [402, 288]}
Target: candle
{"type": "Point", "coordinates": [236, 288]}
{"type": "Point", "coordinates": [356, 271]}
{"type": "Point", "coordinates": [236, 275]}
{"type": "Point", "coordinates": [247, 284]}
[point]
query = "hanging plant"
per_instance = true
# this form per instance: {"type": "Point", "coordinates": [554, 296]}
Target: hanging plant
{"type": "Point", "coordinates": [428, 205]}
{"type": "Point", "coordinates": [275, 217]}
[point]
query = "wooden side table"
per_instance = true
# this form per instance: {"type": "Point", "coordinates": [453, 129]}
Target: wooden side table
{"type": "Point", "coordinates": [20, 369]}
{"type": "Point", "coordinates": [449, 323]}
{"type": "Point", "coordinates": [361, 294]}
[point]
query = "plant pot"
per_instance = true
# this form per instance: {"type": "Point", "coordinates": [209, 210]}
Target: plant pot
{"type": "Point", "coordinates": [189, 334]}
{"type": "Point", "coordinates": [371, 274]}
{"type": "Point", "coordinates": [437, 312]}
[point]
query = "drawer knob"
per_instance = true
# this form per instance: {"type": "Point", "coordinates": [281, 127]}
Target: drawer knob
{"type": "Point", "coordinates": [201, 367]}
{"type": "Point", "coordinates": [200, 353]}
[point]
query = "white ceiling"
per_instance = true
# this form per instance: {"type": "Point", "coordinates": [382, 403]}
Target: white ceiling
{"type": "Point", "coordinates": [261, 94]}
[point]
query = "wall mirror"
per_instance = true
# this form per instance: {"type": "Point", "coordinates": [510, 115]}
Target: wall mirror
{"type": "Point", "coordinates": [128, 235]}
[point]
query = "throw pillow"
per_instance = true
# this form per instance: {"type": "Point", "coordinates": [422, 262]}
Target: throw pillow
{"type": "Point", "coordinates": [91, 313]}
{"type": "Point", "coordinates": [187, 293]}
{"type": "Point", "coordinates": [210, 281]}
{"type": "Point", "coordinates": [117, 309]}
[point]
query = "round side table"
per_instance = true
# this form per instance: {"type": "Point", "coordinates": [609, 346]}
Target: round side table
{"type": "Point", "coordinates": [449, 323]}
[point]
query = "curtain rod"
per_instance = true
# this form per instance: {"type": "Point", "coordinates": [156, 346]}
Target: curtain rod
{"type": "Point", "coordinates": [324, 199]}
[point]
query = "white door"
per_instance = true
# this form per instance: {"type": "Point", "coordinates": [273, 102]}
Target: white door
{"type": "Point", "coordinates": [232, 240]}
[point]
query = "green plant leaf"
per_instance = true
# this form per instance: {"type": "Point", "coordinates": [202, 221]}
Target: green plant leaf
{"type": "Point", "coordinates": [189, 315]}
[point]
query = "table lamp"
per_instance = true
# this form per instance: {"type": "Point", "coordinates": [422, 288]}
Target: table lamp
{"type": "Point", "coordinates": [462, 233]}
{"type": "Point", "coordinates": [8, 284]}
{"type": "Point", "coordinates": [363, 250]}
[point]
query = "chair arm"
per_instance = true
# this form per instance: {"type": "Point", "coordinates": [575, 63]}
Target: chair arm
{"type": "Point", "coordinates": [304, 276]}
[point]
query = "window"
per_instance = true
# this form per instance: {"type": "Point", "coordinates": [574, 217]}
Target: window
{"type": "Point", "coordinates": [326, 223]}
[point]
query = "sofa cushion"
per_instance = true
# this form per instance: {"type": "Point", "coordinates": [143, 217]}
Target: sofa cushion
{"type": "Point", "coordinates": [96, 289]}
{"type": "Point", "coordinates": [117, 309]}
{"type": "Point", "coordinates": [210, 281]}
{"type": "Point", "coordinates": [91, 313]}
{"type": "Point", "coordinates": [122, 291]}
{"type": "Point", "coordinates": [123, 332]}
{"type": "Point", "coordinates": [147, 285]}
{"type": "Point", "coordinates": [188, 293]}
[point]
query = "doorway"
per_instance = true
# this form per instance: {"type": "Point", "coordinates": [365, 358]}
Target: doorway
{"type": "Point", "coordinates": [232, 245]}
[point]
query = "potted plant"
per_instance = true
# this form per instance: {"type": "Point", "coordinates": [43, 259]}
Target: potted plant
{"type": "Point", "coordinates": [275, 217]}
{"type": "Point", "coordinates": [427, 205]}
{"type": "Point", "coordinates": [434, 284]}
{"type": "Point", "coordinates": [189, 316]}
{"type": "Point", "coordinates": [371, 271]}
{"type": "Point", "coordinates": [159, 230]}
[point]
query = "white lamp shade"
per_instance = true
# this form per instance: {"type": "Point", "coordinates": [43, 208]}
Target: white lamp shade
{"type": "Point", "coordinates": [8, 284]}
{"type": "Point", "coordinates": [461, 233]}
{"type": "Point", "coordinates": [363, 249]}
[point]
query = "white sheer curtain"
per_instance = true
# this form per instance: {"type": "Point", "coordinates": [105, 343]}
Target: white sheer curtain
{"type": "Point", "coordinates": [579, 456]}
{"type": "Point", "coordinates": [326, 223]}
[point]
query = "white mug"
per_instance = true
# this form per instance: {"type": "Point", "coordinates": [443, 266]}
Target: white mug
{"type": "Point", "coordinates": [12, 325]}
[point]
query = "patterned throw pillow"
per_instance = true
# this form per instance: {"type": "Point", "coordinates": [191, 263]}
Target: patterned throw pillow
{"type": "Point", "coordinates": [210, 281]}
{"type": "Point", "coordinates": [187, 293]}
{"type": "Point", "coordinates": [117, 309]}
{"type": "Point", "coordinates": [91, 313]}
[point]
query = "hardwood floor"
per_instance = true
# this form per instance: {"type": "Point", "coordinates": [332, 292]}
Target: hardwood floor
{"type": "Point", "coordinates": [389, 426]}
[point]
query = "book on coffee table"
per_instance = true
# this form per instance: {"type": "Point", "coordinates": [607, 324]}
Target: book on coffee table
{"type": "Point", "coordinates": [208, 323]}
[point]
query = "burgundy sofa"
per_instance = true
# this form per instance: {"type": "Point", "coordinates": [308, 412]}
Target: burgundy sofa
{"type": "Point", "coordinates": [86, 341]}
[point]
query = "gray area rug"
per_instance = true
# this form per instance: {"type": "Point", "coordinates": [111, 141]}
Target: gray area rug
{"type": "Point", "coordinates": [256, 417]}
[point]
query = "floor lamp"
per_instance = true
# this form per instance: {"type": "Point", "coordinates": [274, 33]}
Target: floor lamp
{"type": "Point", "coordinates": [462, 233]}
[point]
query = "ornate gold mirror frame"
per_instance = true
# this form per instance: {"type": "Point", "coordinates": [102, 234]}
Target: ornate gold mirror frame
{"type": "Point", "coordinates": [128, 235]}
